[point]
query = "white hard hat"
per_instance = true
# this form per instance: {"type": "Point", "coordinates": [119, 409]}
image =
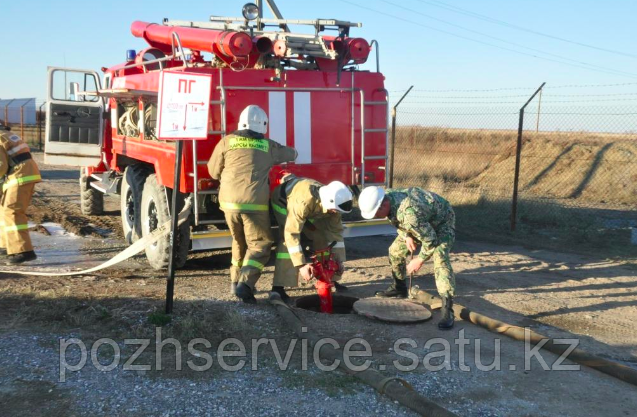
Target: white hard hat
{"type": "Point", "coordinates": [336, 196]}
{"type": "Point", "coordinates": [253, 118]}
{"type": "Point", "coordinates": [370, 200]}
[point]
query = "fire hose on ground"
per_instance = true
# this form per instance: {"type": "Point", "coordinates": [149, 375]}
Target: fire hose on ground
{"type": "Point", "coordinates": [614, 369]}
{"type": "Point", "coordinates": [129, 252]}
{"type": "Point", "coordinates": [394, 388]}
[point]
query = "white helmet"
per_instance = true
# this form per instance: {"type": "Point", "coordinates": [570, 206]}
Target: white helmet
{"type": "Point", "coordinates": [336, 196]}
{"type": "Point", "coordinates": [253, 118]}
{"type": "Point", "coordinates": [370, 200]}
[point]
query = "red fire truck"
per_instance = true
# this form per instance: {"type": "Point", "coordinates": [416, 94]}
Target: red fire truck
{"type": "Point", "coordinates": [310, 85]}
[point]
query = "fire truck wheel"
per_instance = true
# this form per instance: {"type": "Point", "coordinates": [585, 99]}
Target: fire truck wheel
{"type": "Point", "coordinates": [92, 201]}
{"type": "Point", "coordinates": [131, 200]}
{"type": "Point", "coordinates": [155, 212]}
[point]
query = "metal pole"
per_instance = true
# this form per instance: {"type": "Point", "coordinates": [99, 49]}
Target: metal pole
{"type": "Point", "coordinates": [40, 125]}
{"type": "Point", "coordinates": [259, 4]}
{"type": "Point", "coordinates": [539, 107]}
{"type": "Point", "coordinates": [6, 112]}
{"type": "Point", "coordinates": [518, 154]}
{"type": "Point", "coordinates": [393, 137]}
{"type": "Point", "coordinates": [22, 122]}
{"type": "Point", "coordinates": [170, 284]}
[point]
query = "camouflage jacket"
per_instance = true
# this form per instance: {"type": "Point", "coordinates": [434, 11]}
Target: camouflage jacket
{"type": "Point", "coordinates": [420, 214]}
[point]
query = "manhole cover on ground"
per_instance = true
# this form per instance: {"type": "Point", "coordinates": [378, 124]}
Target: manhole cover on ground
{"type": "Point", "coordinates": [392, 310]}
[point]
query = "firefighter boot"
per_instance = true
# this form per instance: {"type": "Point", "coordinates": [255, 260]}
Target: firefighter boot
{"type": "Point", "coordinates": [447, 320]}
{"type": "Point", "coordinates": [21, 257]}
{"type": "Point", "coordinates": [233, 288]}
{"type": "Point", "coordinates": [397, 290]}
{"type": "Point", "coordinates": [281, 291]}
{"type": "Point", "coordinates": [244, 292]}
{"type": "Point", "coordinates": [338, 287]}
{"type": "Point", "coordinates": [3, 252]}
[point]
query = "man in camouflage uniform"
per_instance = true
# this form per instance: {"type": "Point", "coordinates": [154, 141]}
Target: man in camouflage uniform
{"type": "Point", "coordinates": [18, 173]}
{"type": "Point", "coordinates": [241, 162]}
{"type": "Point", "coordinates": [308, 214]}
{"type": "Point", "coordinates": [422, 218]}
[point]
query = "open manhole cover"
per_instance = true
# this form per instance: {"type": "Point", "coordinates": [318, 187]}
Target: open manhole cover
{"type": "Point", "coordinates": [342, 303]}
{"type": "Point", "coordinates": [392, 310]}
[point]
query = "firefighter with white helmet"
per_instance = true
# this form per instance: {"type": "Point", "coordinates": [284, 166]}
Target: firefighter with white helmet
{"type": "Point", "coordinates": [241, 162]}
{"type": "Point", "coordinates": [308, 214]}
{"type": "Point", "coordinates": [20, 174]}
{"type": "Point", "coordinates": [422, 218]}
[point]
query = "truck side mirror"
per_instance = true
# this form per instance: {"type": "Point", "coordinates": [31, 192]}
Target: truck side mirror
{"type": "Point", "coordinates": [74, 88]}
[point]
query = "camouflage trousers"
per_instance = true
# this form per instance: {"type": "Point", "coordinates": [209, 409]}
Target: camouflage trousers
{"type": "Point", "coordinates": [445, 278]}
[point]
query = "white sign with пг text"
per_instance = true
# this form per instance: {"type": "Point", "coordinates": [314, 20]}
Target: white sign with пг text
{"type": "Point", "coordinates": [184, 105]}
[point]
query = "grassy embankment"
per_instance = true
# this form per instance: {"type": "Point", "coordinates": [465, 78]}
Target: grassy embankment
{"type": "Point", "coordinates": [578, 191]}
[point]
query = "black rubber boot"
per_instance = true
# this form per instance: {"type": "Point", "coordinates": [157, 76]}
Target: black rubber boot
{"type": "Point", "coordinates": [19, 258]}
{"type": "Point", "coordinates": [339, 287]}
{"type": "Point", "coordinates": [3, 253]}
{"type": "Point", "coordinates": [244, 292]}
{"type": "Point", "coordinates": [233, 288]}
{"type": "Point", "coordinates": [397, 290]}
{"type": "Point", "coordinates": [281, 291]}
{"type": "Point", "coordinates": [447, 320]}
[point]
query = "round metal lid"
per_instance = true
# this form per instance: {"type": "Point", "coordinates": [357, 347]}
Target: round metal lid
{"type": "Point", "coordinates": [392, 310]}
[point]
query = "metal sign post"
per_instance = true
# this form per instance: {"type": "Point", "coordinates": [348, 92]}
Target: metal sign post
{"type": "Point", "coordinates": [170, 284]}
{"type": "Point", "coordinates": [184, 109]}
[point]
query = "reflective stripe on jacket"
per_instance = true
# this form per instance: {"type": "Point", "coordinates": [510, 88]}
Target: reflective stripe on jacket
{"type": "Point", "coordinates": [16, 162]}
{"type": "Point", "coordinates": [304, 205]}
{"type": "Point", "coordinates": [242, 162]}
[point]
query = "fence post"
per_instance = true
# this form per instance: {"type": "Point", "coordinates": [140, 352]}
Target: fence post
{"type": "Point", "coordinates": [22, 122]}
{"type": "Point", "coordinates": [518, 155]}
{"type": "Point", "coordinates": [539, 108]}
{"type": "Point", "coordinates": [393, 139]}
{"type": "Point", "coordinates": [6, 112]}
{"type": "Point", "coordinates": [39, 116]}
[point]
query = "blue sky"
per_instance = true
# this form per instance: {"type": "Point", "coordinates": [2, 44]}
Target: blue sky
{"type": "Point", "coordinates": [413, 48]}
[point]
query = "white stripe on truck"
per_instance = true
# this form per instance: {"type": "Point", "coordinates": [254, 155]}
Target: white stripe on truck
{"type": "Point", "coordinates": [303, 127]}
{"type": "Point", "coordinates": [277, 117]}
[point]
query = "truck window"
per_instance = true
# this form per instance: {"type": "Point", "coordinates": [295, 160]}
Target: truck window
{"type": "Point", "coordinates": [66, 84]}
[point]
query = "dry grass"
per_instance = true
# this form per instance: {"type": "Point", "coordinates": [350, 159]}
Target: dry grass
{"type": "Point", "coordinates": [584, 169]}
{"type": "Point", "coordinates": [571, 184]}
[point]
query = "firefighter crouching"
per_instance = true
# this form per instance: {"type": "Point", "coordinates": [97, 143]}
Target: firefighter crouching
{"type": "Point", "coordinates": [242, 162]}
{"type": "Point", "coordinates": [422, 218]}
{"type": "Point", "coordinates": [308, 213]}
{"type": "Point", "coordinates": [20, 174]}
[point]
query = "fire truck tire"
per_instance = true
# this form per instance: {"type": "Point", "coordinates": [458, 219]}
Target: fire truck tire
{"type": "Point", "coordinates": [155, 212]}
{"type": "Point", "coordinates": [131, 200]}
{"type": "Point", "coordinates": [91, 200]}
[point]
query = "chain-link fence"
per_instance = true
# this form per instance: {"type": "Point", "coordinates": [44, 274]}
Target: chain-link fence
{"type": "Point", "coordinates": [25, 116]}
{"type": "Point", "coordinates": [577, 161]}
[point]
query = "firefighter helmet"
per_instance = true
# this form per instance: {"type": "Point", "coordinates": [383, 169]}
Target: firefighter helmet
{"type": "Point", "coordinates": [370, 200]}
{"type": "Point", "coordinates": [253, 118]}
{"type": "Point", "coordinates": [336, 196]}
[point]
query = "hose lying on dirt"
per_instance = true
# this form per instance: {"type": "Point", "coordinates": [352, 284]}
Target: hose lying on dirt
{"type": "Point", "coordinates": [130, 251]}
{"type": "Point", "coordinates": [614, 369]}
{"type": "Point", "coordinates": [395, 388]}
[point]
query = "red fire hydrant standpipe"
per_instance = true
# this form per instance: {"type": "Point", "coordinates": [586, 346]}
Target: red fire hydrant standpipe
{"type": "Point", "coordinates": [325, 266]}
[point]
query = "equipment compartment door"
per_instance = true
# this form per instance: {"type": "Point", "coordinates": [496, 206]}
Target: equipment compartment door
{"type": "Point", "coordinates": [74, 121]}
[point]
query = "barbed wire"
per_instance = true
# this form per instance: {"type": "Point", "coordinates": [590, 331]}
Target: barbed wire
{"type": "Point", "coordinates": [525, 96]}
{"type": "Point", "coordinates": [518, 88]}
{"type": "Point", "coordinates": [518, 102]}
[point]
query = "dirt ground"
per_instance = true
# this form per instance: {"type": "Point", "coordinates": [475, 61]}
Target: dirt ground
{"type": "Point", "coordinates": [567, 296]}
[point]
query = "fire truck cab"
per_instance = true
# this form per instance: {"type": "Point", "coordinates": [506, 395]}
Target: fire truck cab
{"type": "Point", "coordinates": [316, 97]}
